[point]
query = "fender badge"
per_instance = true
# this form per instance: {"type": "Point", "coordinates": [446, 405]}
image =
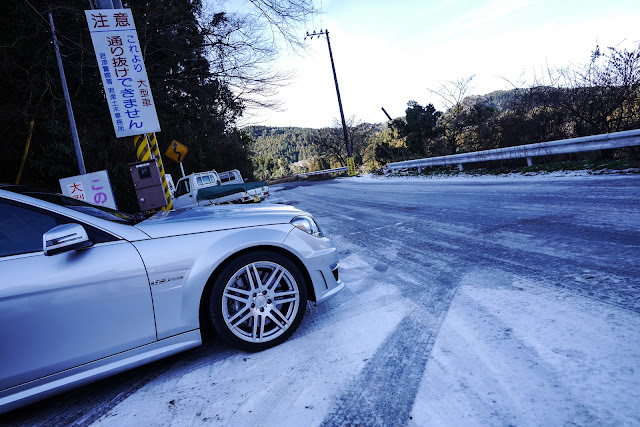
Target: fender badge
{"type": "Point", "coordinates": [161, 281]}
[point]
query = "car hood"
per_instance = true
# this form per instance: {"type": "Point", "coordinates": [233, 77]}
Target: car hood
{"type": "Point", "coordinates": [213, 218]}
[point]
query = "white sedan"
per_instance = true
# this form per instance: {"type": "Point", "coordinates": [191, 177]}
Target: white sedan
{"type": "Point", "coordinates": [87, 292]}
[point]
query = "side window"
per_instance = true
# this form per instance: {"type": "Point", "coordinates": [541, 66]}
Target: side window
{"type": "Point", "coordinates": [205, 179]}
{"type": "Point", "coordinates": [199, 181]}
{"type": "Point", "coordinates": [21, 229]}
{"type": "Point", "coordinates": [182, 188]}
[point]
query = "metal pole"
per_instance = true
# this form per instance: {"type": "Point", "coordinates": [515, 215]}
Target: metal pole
{"type": "Point", "coordinates": [26, 151]}
{"type": "Point", "coordinates": [335, 78]}
{"type": "Point", "coordinates": [67, 99]}
{"type": "Point", "coordinates": [109, 4]}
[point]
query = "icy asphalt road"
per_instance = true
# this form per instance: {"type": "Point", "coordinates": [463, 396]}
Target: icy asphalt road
{"type": "Point", "coordinates": [502, 301]}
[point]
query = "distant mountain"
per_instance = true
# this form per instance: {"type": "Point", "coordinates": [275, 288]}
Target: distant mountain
{"type": "Point", "coordinates": [293, 144]}
{"type": "Point", "coordinates": [290, 143]}
{"type": "Point", "coordinates": [502, 100]}
{"type": "Point", "coordinates": [498, 99]}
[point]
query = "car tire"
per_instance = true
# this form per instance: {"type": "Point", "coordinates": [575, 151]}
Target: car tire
{"type": "Point", "coordinates": [258, 300]}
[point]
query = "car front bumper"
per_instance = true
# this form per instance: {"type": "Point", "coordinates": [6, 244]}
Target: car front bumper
{"type": "Point", "coordinates": [320, 258]}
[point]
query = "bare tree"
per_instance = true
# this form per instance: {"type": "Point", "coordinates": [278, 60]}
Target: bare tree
{"type": "Point", "coordinates": [284, 17]}
{"type": "Point", "coordinates": [452, 92]}
{"type": "Point", "coordinates": [330, 143]}
{"type": "Point", "coordinates": [603, 94]}
{"type": "Point", "coordinates": [243, 46]}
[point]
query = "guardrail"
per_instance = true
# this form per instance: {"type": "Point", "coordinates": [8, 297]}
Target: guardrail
{"type": "Point", "coordinates": [565, 146]}
{"type": "Point", "coordinates": [324, 172]}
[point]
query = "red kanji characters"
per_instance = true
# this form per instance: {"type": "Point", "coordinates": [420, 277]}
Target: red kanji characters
{"type": "Point", "coordinates": [99, 20]}
{"type": "Point", "coordinates": [114, 41]}
{"type": "Point", "coordinates": [122, 19]}
{"type": "Point", "coordinates": [119, 61]}
{"type": "Point", "coordinates": [117, 51]}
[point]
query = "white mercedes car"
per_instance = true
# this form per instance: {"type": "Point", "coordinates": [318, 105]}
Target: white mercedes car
{"type": "Point", "coordinates": [87, 292]}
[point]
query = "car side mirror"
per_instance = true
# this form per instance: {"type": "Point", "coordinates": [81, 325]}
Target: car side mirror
{"type": "Point", "coordinates": [64, 238]}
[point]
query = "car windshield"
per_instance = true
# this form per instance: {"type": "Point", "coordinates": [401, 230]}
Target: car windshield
{"type": "Point", "coordinates": [87, 208]}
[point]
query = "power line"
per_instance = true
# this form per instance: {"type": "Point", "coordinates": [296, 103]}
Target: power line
{"type": "Point", "coordinates": [48, 25]}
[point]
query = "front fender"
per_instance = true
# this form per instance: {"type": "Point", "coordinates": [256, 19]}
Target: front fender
{"type": "Point", "coordinates": [180, 266]}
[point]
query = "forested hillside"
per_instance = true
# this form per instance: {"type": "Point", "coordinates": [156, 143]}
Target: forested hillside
{"type": "Point", "coordinates": [602, 96]}
{"type": "Point", "coordinates": [599, 97]}
{"type": "Point", "coordinates": [276, 149]}
{"type": "Point", "coordinates": [203, 65]}
{"type": "Point", "coordinates": [198, 95]}
{"type": "Point", "coordinates": [290, 143]}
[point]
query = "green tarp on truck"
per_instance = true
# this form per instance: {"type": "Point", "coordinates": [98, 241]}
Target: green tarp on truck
{"type": "Point", "coordinates": [217, 191]}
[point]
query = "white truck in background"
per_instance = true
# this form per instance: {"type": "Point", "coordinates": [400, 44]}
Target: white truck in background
{"type": "Point", "coordinates": [207, 188]}
{"type": "Point", "coordinates": [233, 177]}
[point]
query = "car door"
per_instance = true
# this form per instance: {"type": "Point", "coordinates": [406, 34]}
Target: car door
{"type": "Point", "coordinates": [182, 195]}
{"type": "Point", "coordinates": [65, 310]}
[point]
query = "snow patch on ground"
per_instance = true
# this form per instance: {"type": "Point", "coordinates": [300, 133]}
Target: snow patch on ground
{"type": "Point", "coordinates": [289, 380]}
{"type": "Point", "coordinates": [512, 352]}
{"type": "Point", "coordinates": [529, 177]}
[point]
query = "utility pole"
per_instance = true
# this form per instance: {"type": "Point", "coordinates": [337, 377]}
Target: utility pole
{"type": "Point", "coordinates": [67, 100]}
{"type": "Point", "coordinates": [350, 162]}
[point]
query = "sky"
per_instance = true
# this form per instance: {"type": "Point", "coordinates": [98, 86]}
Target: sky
{"type": "Point", "coordinates": [387, 53]}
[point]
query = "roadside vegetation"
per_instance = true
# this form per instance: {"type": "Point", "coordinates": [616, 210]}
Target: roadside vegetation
{"type": "Point", "coordinates": [206, 65]}
{"type": "Point", "coordinates": [602, 96]}
{"type": "Point", "coordinates": [593, 166]}
{"type": "Point", "coordinates": [633, 166]}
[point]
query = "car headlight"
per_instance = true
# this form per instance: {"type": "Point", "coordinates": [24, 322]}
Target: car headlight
{"type": "Point", "coordinates": [307, 224]}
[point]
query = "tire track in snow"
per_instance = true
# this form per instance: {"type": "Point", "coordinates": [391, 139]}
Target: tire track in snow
{"type": "Point", "coordinates": [384, 391]}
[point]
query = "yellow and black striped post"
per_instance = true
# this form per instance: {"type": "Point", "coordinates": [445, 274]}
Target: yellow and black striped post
{"type": "Point", "coordinates": [146, 148]}
{"type": "Point", "coordinates": [143, 151]}
{"type": "Point", "coordinates": [156, 153]}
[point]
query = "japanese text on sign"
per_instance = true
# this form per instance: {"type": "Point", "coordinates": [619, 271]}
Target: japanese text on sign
{"type": "Point", "coordinates": [94, 188]}
{"type": "Point", "coordinates": [124, 75]}
{"type": "Point", "coordinates": [351, 165]}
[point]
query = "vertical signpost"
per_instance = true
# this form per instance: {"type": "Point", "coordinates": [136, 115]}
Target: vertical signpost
{"type": "Point", "coordinates": [125, 81]}
{"type": "Point", "coordinates": [176, 152]}
{"type": "Point", "coordinates": [123, 73]}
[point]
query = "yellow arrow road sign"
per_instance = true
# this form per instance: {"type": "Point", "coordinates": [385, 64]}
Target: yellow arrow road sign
{"type": "Point", "coordinates": [176, 151]}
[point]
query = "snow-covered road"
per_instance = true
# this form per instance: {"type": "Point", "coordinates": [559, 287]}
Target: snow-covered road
{"type": "Point", "coordinates": [502, 301]}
